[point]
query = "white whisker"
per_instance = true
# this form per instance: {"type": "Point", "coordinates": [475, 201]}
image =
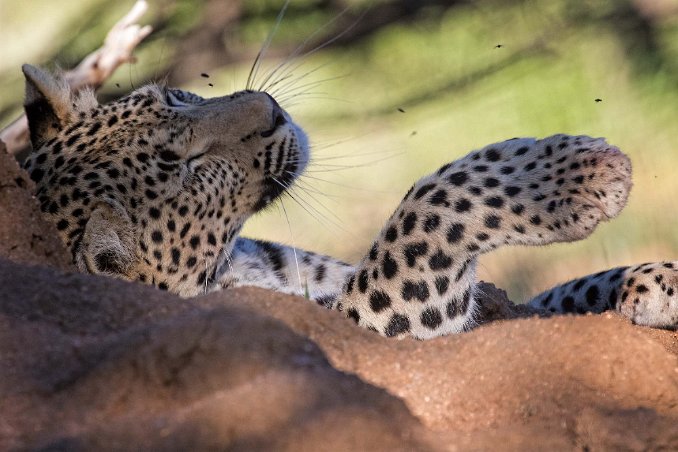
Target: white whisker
{"type": "Point", "coordinates": [306, 186]}
{"type": "Point", "coordinates": [298, 100]}
{"type": "Point", "coordinates": [338, 222]}
{"type": "Point", "coordinates": [337, 167]}
{"type": "Point", "coordinates": [294, 245]}
{"type": "Point", "coordinates": [297, 79]}
{"type": "Point", "coordinates": [295, 53]}
{"type": "Point", "coordinates": [280, 92]}
{"type": "Point", "coordinates": [304, 204]}
{"type": "Point", "coordinates": [257, 60]}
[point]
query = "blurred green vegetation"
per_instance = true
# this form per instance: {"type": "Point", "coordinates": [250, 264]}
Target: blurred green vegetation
{"type": "Point", "coordinates": [408, 86]}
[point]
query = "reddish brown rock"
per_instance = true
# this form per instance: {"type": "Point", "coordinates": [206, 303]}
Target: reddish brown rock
{"type": "Point", "coordinates": [24, 235]}
{"type": "Point", "coordinates": [527, 375]}
{"type": "Point", "coordinates": [91, 363]}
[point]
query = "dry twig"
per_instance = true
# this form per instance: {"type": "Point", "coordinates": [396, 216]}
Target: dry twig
{"type": "Point", "coordinates": [94, 70]}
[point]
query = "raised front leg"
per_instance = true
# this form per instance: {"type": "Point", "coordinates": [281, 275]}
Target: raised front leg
{"type": "Point", "coordinates": [647, 294]}
{"type": "Point", "coordinates": [419, 276]}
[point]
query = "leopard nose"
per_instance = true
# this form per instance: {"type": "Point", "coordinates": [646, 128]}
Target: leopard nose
{"type": "Point", "coordinates": [277, 119]}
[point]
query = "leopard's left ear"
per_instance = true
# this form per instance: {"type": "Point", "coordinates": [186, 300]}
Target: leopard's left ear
{"type": "Point", "coordinates": [48, 104]}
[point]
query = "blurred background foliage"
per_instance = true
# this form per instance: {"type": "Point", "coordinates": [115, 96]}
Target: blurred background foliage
{"type": "Point", "coordinates": [403, 87]}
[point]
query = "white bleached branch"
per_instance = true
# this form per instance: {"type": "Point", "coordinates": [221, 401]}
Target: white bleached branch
{"type": "Point", "coordinates": [94, 70]}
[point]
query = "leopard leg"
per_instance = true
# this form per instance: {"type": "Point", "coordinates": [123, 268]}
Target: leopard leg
{"type": "Point", "coordinates": [284, 269]}
{"type": "Point", "coordinates": [419, 276]}
{"type": "Point", "coordinates": [647, 294]}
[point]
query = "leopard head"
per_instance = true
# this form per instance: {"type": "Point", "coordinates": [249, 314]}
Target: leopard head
{"type": "Point", "coordinates": [156, 186]}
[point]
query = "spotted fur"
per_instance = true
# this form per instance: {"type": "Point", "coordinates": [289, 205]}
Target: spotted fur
{"type": "Point", "coordinates": [647, 294]}
{"type": "Point", "coordinates": [155, 187]}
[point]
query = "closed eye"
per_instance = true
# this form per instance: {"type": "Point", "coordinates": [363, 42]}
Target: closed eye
{"type": "Point", "coordinates": [172, 100]}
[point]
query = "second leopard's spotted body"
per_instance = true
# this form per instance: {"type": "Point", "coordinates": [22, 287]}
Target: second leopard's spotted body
{"type": "Point", "coordinates": [156, 187]}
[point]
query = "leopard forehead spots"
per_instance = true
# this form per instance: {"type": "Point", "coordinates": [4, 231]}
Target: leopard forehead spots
{"type": "Point", "coordinates": [163, 174]}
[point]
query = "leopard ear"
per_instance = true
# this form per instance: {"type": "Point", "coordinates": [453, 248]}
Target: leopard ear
{"type": "Point", "coordinates": [107, 245]}
{"type": "Point", "coordinates": [47, 104]}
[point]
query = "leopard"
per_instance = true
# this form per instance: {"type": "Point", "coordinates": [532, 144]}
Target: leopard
{"type": "Point", "coordinates": [155, 188]}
